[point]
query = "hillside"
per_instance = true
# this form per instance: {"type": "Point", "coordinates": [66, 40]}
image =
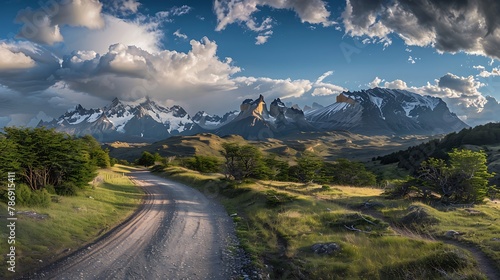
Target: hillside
{"type": "Point", "coordinates": [330, 145]}
{"type": "Point", "coordinates": [309, 231]}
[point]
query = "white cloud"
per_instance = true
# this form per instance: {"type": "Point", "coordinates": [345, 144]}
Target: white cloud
{"type": "Point", "coordinates": [324, 76]}
{"type": "Point", "coordinates": [411, 60]}
{"type": "Point", "coordinates": [178, 33]}
{"type": "Point", "coordinates": [10, 60]}
{"type": "Point", "coordinates": [272, 88]}
{"type": "Point", "coordinates": [130, 72]}
{"type": "Point", "coordinates": [142, 33]}
{"type": "Point", "coordinates": [261, 39]}
{"type": "Point", "coordinates": [375, 83]}
{"type": "Point", "coordinates": [179, 11]}
{"type": "Point", "coordinates": [43, 25]}
{"type": "Point", "coordinates": [323, 91]}
{"type": "Point", "coordinates": [396, 84]}
{"type": "Point", "coordinates": [242, 11]}
{"type": "Point", "coordinates": [125, 7]}
{"type": "Point", "coordinates": [485, 74]}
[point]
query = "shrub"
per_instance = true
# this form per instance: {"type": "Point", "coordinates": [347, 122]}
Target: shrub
{"type": "Point", "coordinates": [26, 197]}
{"type": "Point", "coordinates": [274, 198]}
{"type": "Point", "coordinates": [67, 189]}
{"type": "Point", "coordinates": [50, 189]}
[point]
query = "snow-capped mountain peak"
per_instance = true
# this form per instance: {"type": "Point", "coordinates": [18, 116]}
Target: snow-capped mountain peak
{"type": "Point", "coordinates": [144, 119]}
{"type": "Point", "coordinates": [386, 111]}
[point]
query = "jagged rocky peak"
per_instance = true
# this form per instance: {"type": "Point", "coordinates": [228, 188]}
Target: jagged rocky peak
{"type": "Point", "coordinates": [115, 102]}
{"type": "Point", "coordinates": [277, 108]}
{"type": "Point", "coordinates": [77, 108]}
{"type": "Point", "coordinates": [178, 111]}
{"type": "Point", "coordinates": [213, 121]}
{"type": "Point", "coordinates": [294, 112]}
{"type": "Point", "coordinates": [257, 108]}
{"type": "Point", "coordinates": [246, 104]}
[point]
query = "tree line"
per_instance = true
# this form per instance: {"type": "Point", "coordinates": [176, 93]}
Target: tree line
{"type": "Point", "coordinates": [462, 177]}
{"type": "Point", "coordinates": [457, 175]}
{"type": "Point", "coordinates": [239, 162]}
{"type": "Point", "coordinates": [47, 161]}
{"type": "Point", "coordinates": [411, 158]}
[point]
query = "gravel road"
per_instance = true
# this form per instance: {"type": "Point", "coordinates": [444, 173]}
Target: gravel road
{"type": "Point", "coordinates": [178, 233]}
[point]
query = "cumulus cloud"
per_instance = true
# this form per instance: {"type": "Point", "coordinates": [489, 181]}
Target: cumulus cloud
{"type": "Point", "coordinates": [142, 32]}
{"type": "Point", "coordinates": [43, 25]}
{"type": "Point", "coordinates": [449, 26]}
{"type": "Point", "coordinates": [130, 72]}
{"type": "Point", "coordinates": [375, 83]}
{"type": "Point", "coordinates": [27, 67]}
{"type": "Point", "coordinates": [242, 11]}
{"type": "Point", "coordinates": [11, 60]}
{"type": "Point", "coordinates": [486, 74]}
{"type": "Point", "coordinates": [323, 91]}
{"type": "Point", "coordinates": [396, 84]}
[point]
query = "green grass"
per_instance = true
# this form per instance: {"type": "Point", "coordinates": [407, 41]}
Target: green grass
{"type": "Point", "coordinates": [278, 222]}
{"type": "Point", "coordinates": [72, 222]}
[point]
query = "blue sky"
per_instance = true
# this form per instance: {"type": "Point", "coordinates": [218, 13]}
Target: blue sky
{"type": "Point", "coordinates": [210, 55]}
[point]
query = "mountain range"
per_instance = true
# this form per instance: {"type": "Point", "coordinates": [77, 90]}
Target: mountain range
{"type": "Point", "coordinates": [141, 121]}
{"type": "Point", "coordinates": [370, 112]}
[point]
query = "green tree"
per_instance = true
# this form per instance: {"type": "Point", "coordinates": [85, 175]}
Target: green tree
{"type": "Point", "coordinates": [204, 164]}
{"type": "Point", "coordinates": [231, 154]}
{"type": "Point", "coordinates": [242, 161]}
{"type": "Point", "coordinates": [48, 158]}
{"type": "Point", "coordinates": [99, 156]}
{"type": "Point", "coordinates": [308, 167]}
{"type": "Point", "coordinates": [276, 169]}
{"type": "Point", "coordinates": [9, 157]}
{"type": "Point", "coordinates": [146, 159]}
{"type": "Point", "coordinates": [464, 178]}
{"type": "Point", "coordinates": [346, 172]}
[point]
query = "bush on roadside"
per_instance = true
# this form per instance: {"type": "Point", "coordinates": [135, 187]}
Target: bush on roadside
{"type": "Point", "coordinates": [26, 197]}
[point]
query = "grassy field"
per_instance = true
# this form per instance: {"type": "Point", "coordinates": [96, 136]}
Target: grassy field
{"type": "Point", "coordinates": [45, 234]}
{"type": "Point", "coordinates": [376, 238]}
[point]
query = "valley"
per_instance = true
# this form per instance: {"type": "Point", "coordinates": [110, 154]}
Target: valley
{"type": "Point", "coordinates": [330, 145]}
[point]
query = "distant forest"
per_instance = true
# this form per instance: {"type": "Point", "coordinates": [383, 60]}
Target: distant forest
{"type": "Point", "coordinates": [412, 157]}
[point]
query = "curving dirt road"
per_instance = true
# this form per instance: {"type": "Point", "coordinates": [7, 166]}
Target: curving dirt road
{"type": "Point", "coordinates": [177, 234]}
